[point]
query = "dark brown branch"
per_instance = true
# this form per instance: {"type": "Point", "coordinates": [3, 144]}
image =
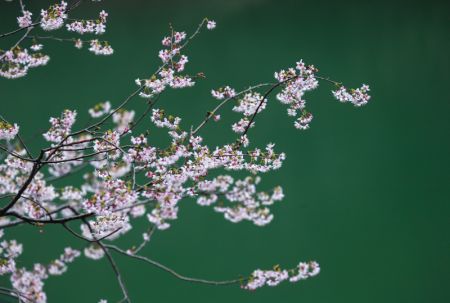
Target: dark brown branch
{"type": "Point", "coordinates": [171, 271]}
{"type": "Point", "coordinates": [18, 135]}
{"type": "Point", "coordinates": [34, 171]}
{"type": "Point", "coordinates": [75, 5]}
{"type": "Point", "coordinates": [126, 297]}
{"type": "Point", "coordinates": [263, 99]}
{"type": "Point", "coordinates": [95, 240]}
{"type": "Point", "coordinates": [15, 154]}
{"type": "Point", "coordinates": [80, 157]}
{"type": "Point", "coordinates": [211, 113]}
{"type": "Point", "coordinates": [50, 221]}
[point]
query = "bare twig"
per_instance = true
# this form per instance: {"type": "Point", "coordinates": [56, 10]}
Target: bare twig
{"type": "Point", "coordinates": [171, 271]}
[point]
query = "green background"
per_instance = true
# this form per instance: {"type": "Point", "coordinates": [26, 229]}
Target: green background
{"type": "Point", "coordinates": [367, 189]}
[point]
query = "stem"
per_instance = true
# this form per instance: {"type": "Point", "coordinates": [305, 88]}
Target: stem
{"type": "Point", "coordinates": [171, 271]}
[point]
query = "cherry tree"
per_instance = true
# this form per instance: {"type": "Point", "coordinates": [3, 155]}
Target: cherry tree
{"type": "Point", "coordinates": [122, 176]}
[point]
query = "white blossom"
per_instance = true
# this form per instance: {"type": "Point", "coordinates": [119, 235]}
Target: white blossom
{"type": "Point", "coordinates": [96, 27]}
{"type": "Point", "coordinates": [8, 131]}
{"type": "Point", "coordinates": [100, 109]}
{"type": "Point", "coordinates": [100, 48]}
{"type": "Point", "coordinates": [53, 18]}
{"type": "Point", "coordinates": [128, 172]}
{"type": "Point", "coordinates": [357, 97]}
{"type": "Point", "coordinates": [260, 278]}
{"type": "Point", "coordinates": [25, 20]}
{"type": "Point", "coordinates": [94, 252]}
{"type": "Point", "coordinates": [60, 127]}
{"type": "Point", "coordinates": [211, 24]}
{"type": "Point", "coordinates": [36, 47]}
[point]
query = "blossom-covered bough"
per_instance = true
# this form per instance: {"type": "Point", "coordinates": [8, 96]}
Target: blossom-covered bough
{"type": "Point", "coordinates": [123, 176]}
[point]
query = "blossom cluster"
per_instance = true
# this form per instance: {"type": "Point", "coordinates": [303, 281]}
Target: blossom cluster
{"type": "Point", "coordinates": [9, 250]}
{"type": "Point", "coordinates": [302, 79]}
{"type": "Point", "coordinates": [168, 185]}
{"type": "Point", "coordinates": [169, 73]}
{"type": "Point", "coordinates": [100, 47]}
{"type": "Point", "coordinates": [248, 105]}
{"type": "Point", "coordinates": [37, 198]}
{"type": "Point", "coordinates": [110, 227]}
{"type": "Point", "coordinates": [30, 283]}
{"type": "Point", "coordinates": [96, 27]}
{"type": "Point", "coordinates": [125, 175]}
{"type": "Point", "coordinates": [115, 194]}
{"type": "Point", "coordinates": [25, 19]}
{"type": "Point", "coordinates": [297, 81]}
{"type": "Point", "coordinates": [53, 17]}
{"type": "Point", "coordinates": [100, 109]}
{"type": "Point", "coordinates": [8, 131]}
{"type": "Point", "coordinates": [223, 93]}
{"type": "Point", "coordinates": [160, 120]}
{"type": "Point", "coordinates": [123, 119]}
{"type": "Point", "coordinates": [59, 266]}
{"type": "Point", "coordinates": [16, 61]}
{"type": "Point", "coordinates": [36, 47]}
{"type": "Point", "coordinates": [260, 278]}
{"type": "Point", "coordinates": [60, 127]}
{"type": "Point", "coordinates": [109, 144]}
{"type": "Point", "coordinates": [246, 202]}
{"type": "Point", "coordinates": [94, 252]}
{"type": "Point", "coordinates": [357, 97]}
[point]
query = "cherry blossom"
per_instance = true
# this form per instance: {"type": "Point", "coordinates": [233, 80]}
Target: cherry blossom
{"type": "Point", "coordinates": [9, 250]}
{"type": "Point", "coordinates": [260, 278]}
{"type": "Point", "coordinates": [78, 43]}
{"type": "Point", "coordinates": [357, 97]}
{"type": "Point", "coordinates": [8, 131]}
{"type": "Point", "coordinates": [223, 93]}
{"type": "Point", "coordinates": [16, 61]}
{"type": "Point", "coordinates": [211, 24]}
{"type": "Point", "coordinates": [30, 283]}
{"type": "Point", "coordinates": [94, 252]}
{"type": "Point", "coordinates": [60, 127]}
{"type": "Point", "coordinates": [100, 48]}
{"type": "Point", "coordinates": [36, 47]}
{"type": "Point", "coordinates": [125, 175]}
{"type": "Point", "coordinates": [304, 120]}
{"type": "Point", "coordinates": [53, 18]}
{"type": "Point", "coordinates": [96, 27]}
{"type": "Point", "coordinates": [100, 109]}
{"type": "Point", "coordinates": [25, 20]}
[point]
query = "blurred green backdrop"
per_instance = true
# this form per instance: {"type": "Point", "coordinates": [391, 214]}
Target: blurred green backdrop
{"type": "Point", "coordinates": [367, 190]}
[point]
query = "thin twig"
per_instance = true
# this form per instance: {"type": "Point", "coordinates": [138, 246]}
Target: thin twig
{"type": "Point", "coordinates": [171, 271]}
{"type": "Point", "coordinates": [211, 113]}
